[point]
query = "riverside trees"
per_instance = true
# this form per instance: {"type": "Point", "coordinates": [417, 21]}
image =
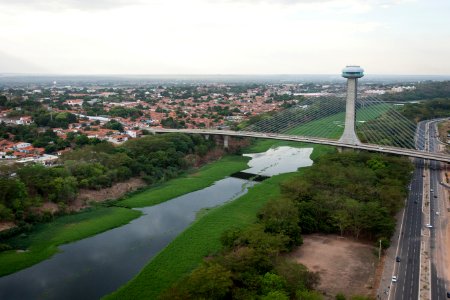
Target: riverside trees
{"type": "Point", "coordinates": [154, 158]}
{"type": "Point", "coordinates": [354, 194]}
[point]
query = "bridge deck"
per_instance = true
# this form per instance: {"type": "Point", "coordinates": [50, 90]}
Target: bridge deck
{"type": "Point", "coordinates": [312, 140]}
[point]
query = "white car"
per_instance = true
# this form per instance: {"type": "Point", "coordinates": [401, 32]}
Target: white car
{"type": "Point", "coordinates": [428, 226]}
{"type": "Point", "coordinates": [394, 278]}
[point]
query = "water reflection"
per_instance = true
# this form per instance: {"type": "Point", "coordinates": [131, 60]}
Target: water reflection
{"type": "Point", "coordinates": [279, 160]}
{"type": "Point", "coordinates": [96, 266]}
{"type": "Point", "coordinates": [93, 267]}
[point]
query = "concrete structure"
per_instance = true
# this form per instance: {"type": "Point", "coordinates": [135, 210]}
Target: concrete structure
{"type": "Point", "coordinates": [313, 140]}
{"type": "Point", "coordinates": [352, 73]}
{"type": "Point", "coordinates": [225, 141]}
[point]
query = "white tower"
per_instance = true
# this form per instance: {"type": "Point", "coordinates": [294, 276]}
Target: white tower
{"type": "Point", "coordinates": [352, 73]}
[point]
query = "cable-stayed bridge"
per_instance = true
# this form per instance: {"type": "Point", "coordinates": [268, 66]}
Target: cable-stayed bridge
{"type": "Point", "coordinates": [345, 121]}
{"type": "Point", "coordinates": [379, 126]}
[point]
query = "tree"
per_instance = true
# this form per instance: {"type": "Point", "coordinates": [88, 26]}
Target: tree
{"type": "Point", "coordinates": [3, 101]}
{"type": "Point", "coordinates": [275, 295]}
{"type": "Point", "coordinates": [271, 282]}
{"type": "Point", "coordinates": [209, 281]}
{"type": "Point", "coordinates": [13, 198]}
{"type": "Point", "coordinates": [63, 189]}
{"type": "Point", "coordinates": [281, 216]}
{"type": "Point", "coordinates": [81, 140]}
{"type": "Point", "coordinates": [340, 296]}
{"type": "Point", "coordinates": [308, 295]}
{"type": "Point", "coordinates": [341, 219]}
{"type": "Point", "coordinates": [297, 276]}
{"type": "Point", "coordinates": [114, 125]}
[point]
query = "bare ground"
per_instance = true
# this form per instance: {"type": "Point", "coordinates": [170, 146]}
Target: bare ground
{"type": "Point", "coordinates": [345, 265]}
{"type": "Point", "coordinates": [6, 225]}
{"type": "Point", "coordinates": [116, 191]}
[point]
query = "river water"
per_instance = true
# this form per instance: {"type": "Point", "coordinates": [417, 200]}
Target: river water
{"type": "Point", "coordinates": [95, 266]}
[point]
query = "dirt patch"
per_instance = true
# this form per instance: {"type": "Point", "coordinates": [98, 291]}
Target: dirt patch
{"type": "Point", "coordinates": [116, 191]}
{"type": "Point", "coordinates": [6, 225]}
{"type": "Point", "coordinates": [49, 206]}
{"type": "Point", "coordinates": [345, 266]}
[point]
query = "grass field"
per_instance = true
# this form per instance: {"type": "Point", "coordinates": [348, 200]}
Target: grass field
{"type": "Point", "coordinates": [45, 238]}
{"type": "Point", "coordinates": [200, 179]}
{"type": "Point", "coordinates": [333, 126]}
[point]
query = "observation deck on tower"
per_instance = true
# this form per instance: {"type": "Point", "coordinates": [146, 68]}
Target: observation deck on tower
{"type": "Point", "coordinates": [352, 72]}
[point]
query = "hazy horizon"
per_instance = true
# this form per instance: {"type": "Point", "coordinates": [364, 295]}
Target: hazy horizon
{"type": "Point", "coordinates": [130, 79]}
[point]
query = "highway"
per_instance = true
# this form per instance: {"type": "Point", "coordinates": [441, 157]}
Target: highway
{"type": "Point", "coordinates": [438, 220]}
{"type": "Point", "coordinates": [408, 269]}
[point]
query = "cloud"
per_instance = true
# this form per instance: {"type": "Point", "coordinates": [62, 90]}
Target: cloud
{"type": "Point", "coordinates": [51, 5]}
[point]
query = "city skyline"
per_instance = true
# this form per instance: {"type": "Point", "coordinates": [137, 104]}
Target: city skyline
{"type": "Point", "coordinates": [224, 37]}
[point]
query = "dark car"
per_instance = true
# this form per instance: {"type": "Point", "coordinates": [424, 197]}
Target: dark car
{"type": "Point", "coordinates": [448, 294]}
{"type": "Point", "coordinates": [397, 259]}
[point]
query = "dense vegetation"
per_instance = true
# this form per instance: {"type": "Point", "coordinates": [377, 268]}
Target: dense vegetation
{"type": "Point", "coordinates": [424, 90]}
{"type": "Point", "coordinates": [351, 193]}
{"type": "Point", "coordinates": [154, 158]}
{"type": "Point", "coordinates": [202, 238]}
{"type": "Point", "coordinates": [32, 134]}
{"type": "Point", "coordinates": [430, 109]}
{"type": "Point", "coordinates": [354, 194]}
{"type": "Point", "coordinates": [42, 240]}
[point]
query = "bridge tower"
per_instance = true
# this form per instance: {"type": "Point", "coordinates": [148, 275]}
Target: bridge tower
{"type": "Point", "coordinates": [352, 73]}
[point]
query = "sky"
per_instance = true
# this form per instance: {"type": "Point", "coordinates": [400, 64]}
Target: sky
{"type": "Point", "coordinates": [410, 37]}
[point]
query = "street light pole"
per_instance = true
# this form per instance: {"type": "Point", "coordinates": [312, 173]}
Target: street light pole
{"type": "Point", "coordinates": [379, 251]}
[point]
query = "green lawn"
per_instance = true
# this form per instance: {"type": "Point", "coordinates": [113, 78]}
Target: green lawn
{"type": "Point", "coordinates": [45, 238]}
{"type": "Point", "coordinates": [333, 126]}
{"type": "Point", "coordinates": [200, 179]}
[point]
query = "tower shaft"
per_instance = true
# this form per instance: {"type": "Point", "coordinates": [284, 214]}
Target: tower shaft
{"type": "Point", "coordinates": [349, 136]}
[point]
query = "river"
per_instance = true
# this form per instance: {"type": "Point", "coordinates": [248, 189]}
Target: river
{"type": "Point", "coordinates": [98, 265]}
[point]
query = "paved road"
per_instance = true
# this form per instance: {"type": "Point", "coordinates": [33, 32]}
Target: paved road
{"type": "Point", "coordinates": [438, 221]}
{"type": "Point", "coordinates": [408, 269]}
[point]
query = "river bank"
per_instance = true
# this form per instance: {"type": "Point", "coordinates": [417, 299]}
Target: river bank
{"type": "Point", "coordinates": [184, 253]}
{"type": "Point", "coordinates": [42, 242]}
{"type": "Point", "coordinates": [202, 237]}
{"type": "Point", "coordinates": [180, 186]}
